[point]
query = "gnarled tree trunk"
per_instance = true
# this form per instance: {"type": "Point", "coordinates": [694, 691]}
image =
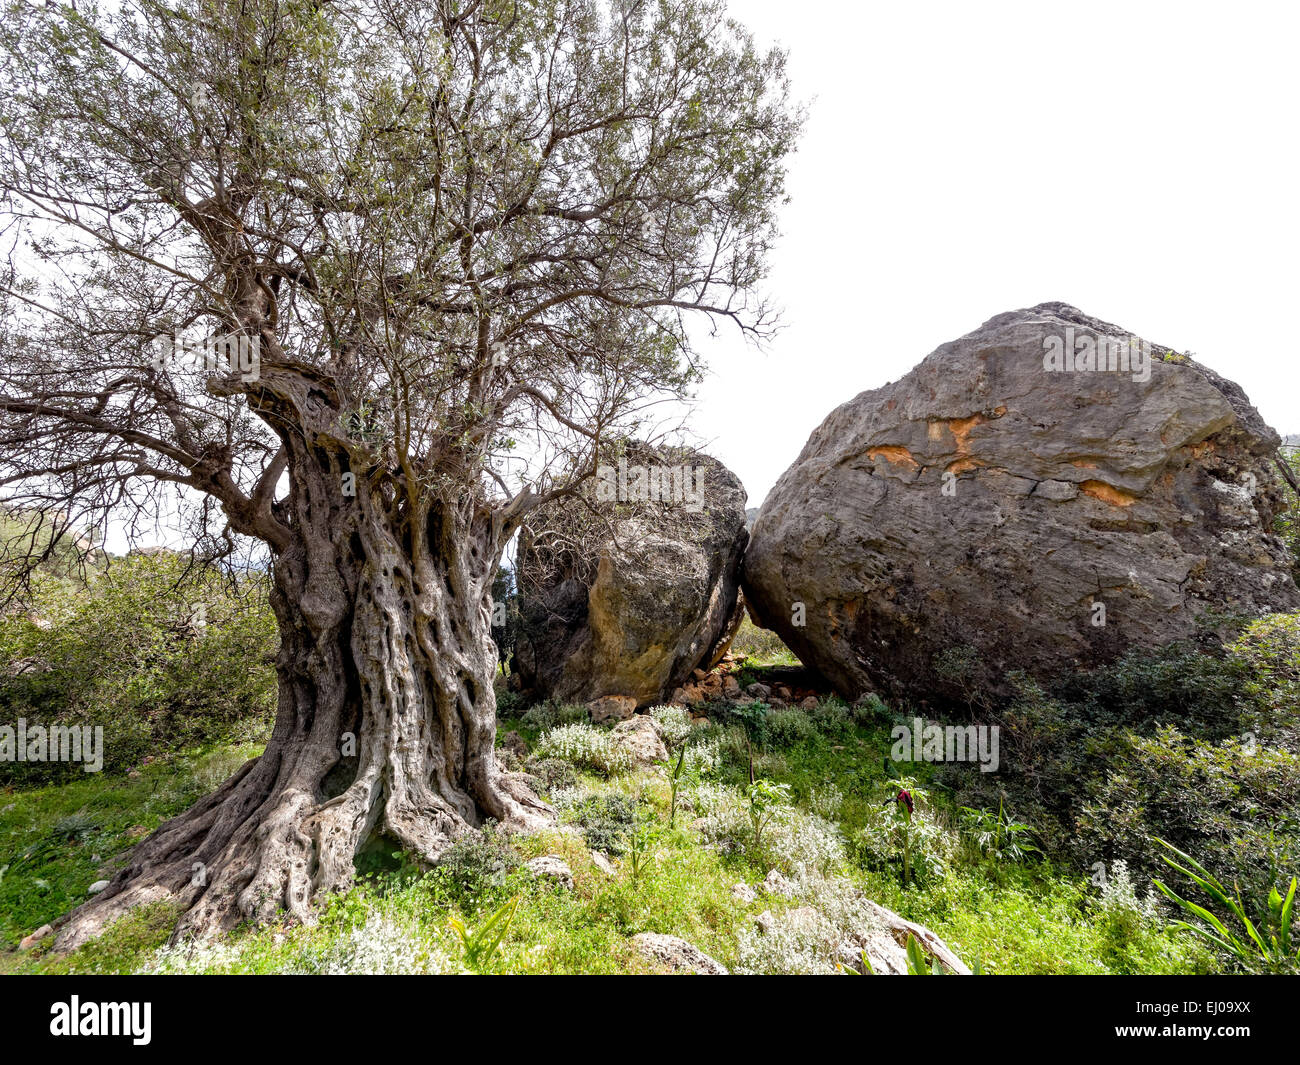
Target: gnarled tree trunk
{"type": "Point", "coordinates": [386, 717]}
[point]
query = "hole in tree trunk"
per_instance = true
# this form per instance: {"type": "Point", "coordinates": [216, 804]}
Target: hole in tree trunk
{"type": "Point", "coordinates": [381, 853]}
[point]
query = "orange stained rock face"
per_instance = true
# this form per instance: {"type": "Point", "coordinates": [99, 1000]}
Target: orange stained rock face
{"type": "Point", "coordinates": [961, 428]}
{"type": "Point", "coordinates": [1116, 497]}
{"type": "Point", "coordinates": [893, 453]}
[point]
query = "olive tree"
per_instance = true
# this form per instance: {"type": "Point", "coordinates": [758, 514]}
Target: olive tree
{"type": "Point", "coordinates": [407, 260]}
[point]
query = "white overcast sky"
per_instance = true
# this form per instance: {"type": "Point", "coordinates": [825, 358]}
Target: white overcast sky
{"type": "Point", "coordinates": [1137, 160]}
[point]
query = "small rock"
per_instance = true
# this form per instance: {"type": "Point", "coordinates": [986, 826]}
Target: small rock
{"type": "Point", "coordinates": [641, 739]}
{"type": "Point", "coordinates": [97, 887]}
{"type": "Point", "coordinates": [730, 686]}
{"type": "Point", "coordinates": [35, 937]}
{"type": "Point", "coordinates": [758, 690]}
{"type": "Point", "coordinates": [612, 708]}
{"type": "Point", "coordinates": [776, 884]}
{"type": "Point", "coordinates": [677, 954]}
{"type": "Point", "coordinates": [743, 892]}
{"type": "Point", "coordinates": [603, 864]}
{"type": "Point", "coordinates": [552, 867]}
{"type": "Point", "coordinates": [690, 694]}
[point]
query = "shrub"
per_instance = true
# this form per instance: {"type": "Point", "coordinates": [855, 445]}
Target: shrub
{"type": "Point", "coordinates": [550, 774]}
{"type": "Point", "coordinates": [1236, 808]}
{"type": "Point", "coordinates": [796, 842]}
{"type": "Point", "coordinates": [162, 658]}
{"type": "Point", "coordinates": [549, 714]}
{"type": "Point", "coordinates": [1269, 649]}
{"type": "Point", "coordinates": [674, 724]}
{"type": "Point", "coordinates": [832, 718]}
{"type": "Point", "coordinates": [587, 746]}
{"type": "Point", "coordinates": [605, 820]}
{"type": "Point", "coordinates": [475, 867]}
{"type": "Point", "coordinates": [508, 703]}
{"type": "Point", "coordinates": [1122, 914]}
{"type": "Point", "coordinates": [807, 940]}
{"type": "Point", "coordinates": [789, 728]}
{"type": "Point", "coordinates": [379, 947]}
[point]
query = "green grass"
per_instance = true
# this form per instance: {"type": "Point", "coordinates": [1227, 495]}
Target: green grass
{"type": "Point", "coordinates": [56, 841]}
{"type": "Point", "coordinates": [1012, 919]}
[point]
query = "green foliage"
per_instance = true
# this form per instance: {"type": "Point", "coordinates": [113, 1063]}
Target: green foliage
{"type": "Point", "coordinates": [479, 947]}
{"type": "Point", "coordinates": [160, 658]}
{"type": "Point", "coordinates": [607, 821]}
{"type": "Point", "coordinates": [788, 727]}
{"type": "Point", "coordinates": [1287, 523]}
{"type": "Point", "coordinates": [761, 646]}
{"type": "Point", "coordinates": [548, 715]}
{"type": "Point", "coordinates": [1268, 649]}
{"type": "Point", "coordinates": [1266, 949]}
{"type": "Point", "coordinates": [997, 836]}
{"type": "Point", "coordinates": [1237, 807]}
{"type": "Point", "coordinates": [765, 797]}
{"type": "Point", "coordinates": [474, 868]}
{"type": "Point", "coordinates": [585, 746]}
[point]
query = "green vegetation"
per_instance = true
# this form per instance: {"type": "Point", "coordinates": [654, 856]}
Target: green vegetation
{"type": "Point", "coordinates": [1195, 747]}
{"type": "Point", "coordinates": [162, 658]}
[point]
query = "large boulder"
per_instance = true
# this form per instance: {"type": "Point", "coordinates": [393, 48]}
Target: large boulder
{"type": "Point", "coordinates": [623, 595]}
{"type": "Point", "coordinates": [1004, 507]}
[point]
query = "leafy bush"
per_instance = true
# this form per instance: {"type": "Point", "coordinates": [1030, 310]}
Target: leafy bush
{"type": "Point", "coordinates": [473, 868]}
{"type": "Point", "coordinates": [606, 820]}
{"type": "Point", "coordinates": [550, 714]}
{"type": "Point", "coordinates": [794, 841]}
{"type": "Point", "coordinates": [161, 658]}
{"type": "Point", "coordinates": [586, 746]}
{"type": "Point", "coordinates": [1238, 809]}
{"type": "Point", "coordinates": [550, 774]}
{"type": "Point", "coordinates": [1121, 912]}
{"type": "Point", "coordinates": [1269, 649]}
{"type": "Point", "coordinates": [674, 724]}
{"type": "Point", "coordinates": [789, 728]}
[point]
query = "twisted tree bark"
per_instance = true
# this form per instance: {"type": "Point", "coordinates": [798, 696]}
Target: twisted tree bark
{"type": "Point", "coordinates": [385, 722]}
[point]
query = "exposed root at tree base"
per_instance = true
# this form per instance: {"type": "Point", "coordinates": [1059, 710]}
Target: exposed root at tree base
{"type": "Point", "coordinates": [235, 858]}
